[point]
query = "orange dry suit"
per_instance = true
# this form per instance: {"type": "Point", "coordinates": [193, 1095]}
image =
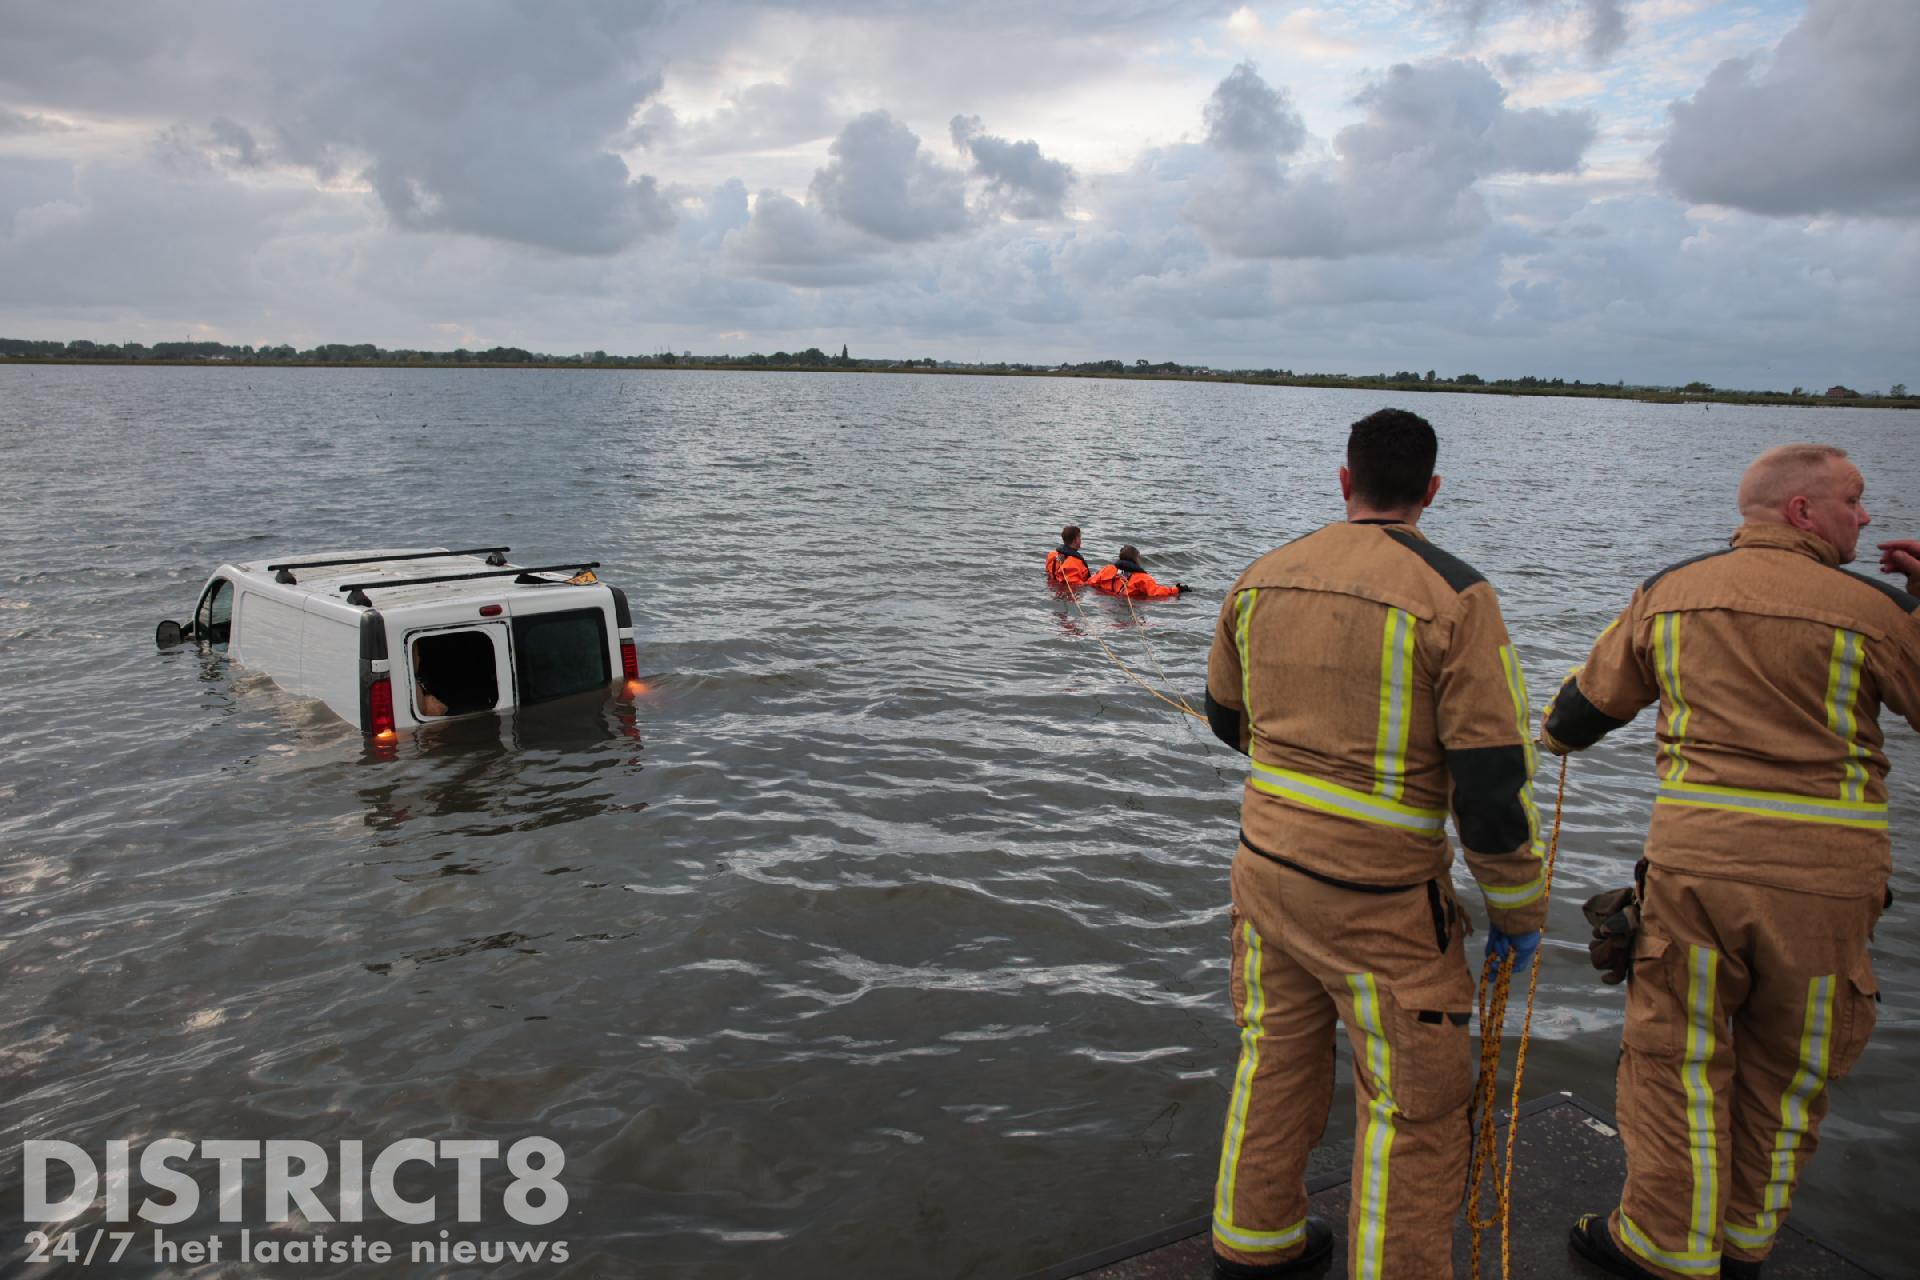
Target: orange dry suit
{"type": "Point", "coordinates": [1066, 564]}
{"type": "Point", "coordinates": [1767, 866]}
{"type": "Point", "coordinates": [1127, 578]}
{"type": "Point", "coordinates": [1369, 677]}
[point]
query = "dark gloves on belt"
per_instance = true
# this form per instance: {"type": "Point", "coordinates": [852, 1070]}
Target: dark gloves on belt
{"type": "Point", "coordinates": [1615, 917]}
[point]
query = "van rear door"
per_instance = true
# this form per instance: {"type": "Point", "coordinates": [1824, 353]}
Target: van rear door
{"type": "Point", "coordinates": [561, 652]}
{"type": "Point", "coordinates": [458, 670]}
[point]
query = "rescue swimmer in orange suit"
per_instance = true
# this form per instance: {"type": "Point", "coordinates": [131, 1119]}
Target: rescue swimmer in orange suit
{"type": "Point", "coordinates": [1065, 564]}
{"type": "Point", "coordinates": [1766, 862]}
{"type": "Point", "coordinates": [1369, 676]}
{"type": "Point", "coordinates": [1125, 577]}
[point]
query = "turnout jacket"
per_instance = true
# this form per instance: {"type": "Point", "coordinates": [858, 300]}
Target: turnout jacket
{"type": "Point", "coordinates": [1770, 664]}
{"type": "Point", "coordinates": [1369, 676]}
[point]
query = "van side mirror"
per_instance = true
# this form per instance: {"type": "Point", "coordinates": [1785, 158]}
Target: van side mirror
{"type": "Point", "coordinates": [168, 634]}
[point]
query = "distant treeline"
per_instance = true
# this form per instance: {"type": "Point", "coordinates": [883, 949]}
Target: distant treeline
{"type": "Point", "coordinates": [813, 358]}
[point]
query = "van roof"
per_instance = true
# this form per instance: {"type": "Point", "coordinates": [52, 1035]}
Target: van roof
{"type": "Point", "coordinates": [330, 570]}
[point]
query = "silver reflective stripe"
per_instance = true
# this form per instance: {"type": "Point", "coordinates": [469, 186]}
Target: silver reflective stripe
{"type": "Point", "coordinates": [1773, 804]}
{"type": "Point", "coordinates": [1331, 797]}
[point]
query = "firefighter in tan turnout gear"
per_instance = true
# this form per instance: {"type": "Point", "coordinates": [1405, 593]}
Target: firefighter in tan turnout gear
{"type": "Point", "coordinates": [1368, 675]}
{"type": "Point", "coordinates": [1766, 863]}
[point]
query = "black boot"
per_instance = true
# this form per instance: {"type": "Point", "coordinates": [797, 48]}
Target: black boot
{"type": "Point", "coordinates": [1738, 1269]}
{"type": "Point", "coordinates": [1592, 1241]}
{"type": "Point", "coordinates": [1319, 1248]}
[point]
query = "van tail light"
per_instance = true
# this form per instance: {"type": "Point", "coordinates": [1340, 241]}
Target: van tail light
{"type": "Point", "coordinates": [629, 660]}
{"type": "Point", "coordinates": [380, 708]}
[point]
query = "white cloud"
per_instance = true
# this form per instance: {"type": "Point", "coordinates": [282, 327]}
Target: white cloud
{"type": "Point", "coordinates": [1405, 175]}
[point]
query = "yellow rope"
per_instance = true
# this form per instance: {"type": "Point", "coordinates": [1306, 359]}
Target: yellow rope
{"type": "Point", "coordinates": [1158, 669]}
{"type": "Point", "coordinates": [1494, 989]}
{"type": "Point", "coordinates": [1121, 663]}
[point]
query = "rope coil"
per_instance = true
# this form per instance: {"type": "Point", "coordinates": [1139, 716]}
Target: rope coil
{"type": "Point", "coordinates": [1495, 986]}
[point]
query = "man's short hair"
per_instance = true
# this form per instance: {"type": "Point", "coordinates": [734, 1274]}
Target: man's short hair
{"type": "Point", "coordinates": [1390, 456]}
{"type": "Point", "coordinates": [1784, 472]}
{"type": "Point", "coordinates": [1068, 534]}
{"type": "Point", "coordinates": [1129, 552]}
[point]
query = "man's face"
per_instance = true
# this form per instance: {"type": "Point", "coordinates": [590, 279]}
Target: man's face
{"type": "Point", "coordinates": [1834, 509]}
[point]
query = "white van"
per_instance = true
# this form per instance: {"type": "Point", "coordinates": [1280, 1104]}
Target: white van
{"type": "Point", "coordinates": [394, 639]}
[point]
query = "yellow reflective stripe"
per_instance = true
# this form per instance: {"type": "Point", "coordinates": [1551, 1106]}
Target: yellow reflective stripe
{"type": "Point", "coordinates": [1243, 610]}
{"type": "Point", "coordinates": [1843, 686]}
{"type": "Point", "coordinates": [1377, 1143]}
{"type": "Point", "coordinates": [1510, 896]}
{"type": "Point", "coordinates": [1816, 1044]}
{"type": "Point", "coordinates": [1252, 1020]}
{"type": "Point", "coordinates": [1696, 1261]}
{"type": "Point", "coordinates": [1396, 705]}
{"type": "Point", "coordinates": [1260, 1241]}
{"type": "Point", "coordinates": [1344, 802]}
{"type": "Point", "coordinates": [1703, 1139]}
{"type": "Point", "coordinates": [1666, 663]}
{"type": "Point", "coordinates": [1522, 717]}
{"type": "Point", "coordinates": [1774, 804]}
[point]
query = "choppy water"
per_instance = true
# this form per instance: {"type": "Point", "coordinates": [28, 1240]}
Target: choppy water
{"type": "Point", "coordinates": [886, 934]}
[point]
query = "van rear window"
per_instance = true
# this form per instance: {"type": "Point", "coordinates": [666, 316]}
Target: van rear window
{"type": "Point", "coordinates": [560, 653]}
{"type": "Point", "coordinates": [453, 674]}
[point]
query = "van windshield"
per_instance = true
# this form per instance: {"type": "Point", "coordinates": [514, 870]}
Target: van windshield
{"type": "Point", "coordinates": [560, 653]}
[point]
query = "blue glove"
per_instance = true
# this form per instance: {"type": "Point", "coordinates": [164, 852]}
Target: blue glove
{"type": "Point", "coordinates": [1520, 945]}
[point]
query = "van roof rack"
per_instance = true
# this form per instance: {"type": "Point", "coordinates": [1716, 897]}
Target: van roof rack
{"type": "Point", "coordinates": [358, 590]}
{"type": "Point", "coordinates": [283, 573]}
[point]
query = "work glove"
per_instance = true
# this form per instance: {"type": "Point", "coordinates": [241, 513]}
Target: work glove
{"type": "Point", "coordinates": [1615, 917]}
{"type": "Point", "coordinates": [1182, 587]}
{"type": "Point", "coordinates": [1520, 945]}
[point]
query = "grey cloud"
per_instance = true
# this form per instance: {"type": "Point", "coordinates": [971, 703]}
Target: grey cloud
{"type": "Point", "coordinates": [1830, 125]}
{"type": "Point", "coordinates": [760, 117]}
{"type": "Point", "coordinates": [1606, 19]}
{"type": "Point", "coordinates": [1020, 180]}
{"type": "Point", "coordinates": [1250, 117]}
{"type": "Point", "coordinates": [881, 182]}
{"type": "Point", "coordinates": [1406, 174]}
{"type": "Point", "coordinates": [489, 118]}
{"type": "Point", "coordinates": [20, 122]}
{"type": "Point", "coordinates": [236, 143]}
{"type": "Point", "coordinates": [785, 241]}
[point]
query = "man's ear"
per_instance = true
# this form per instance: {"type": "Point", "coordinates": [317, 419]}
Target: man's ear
{"type": "Point", "coordinates": [1346, 485]}
{"type": "Point", "coordinates": [1433, 487]}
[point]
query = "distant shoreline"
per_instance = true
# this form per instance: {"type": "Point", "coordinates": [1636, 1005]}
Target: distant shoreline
{"type": "Point", "coordinates": [1644, 395]}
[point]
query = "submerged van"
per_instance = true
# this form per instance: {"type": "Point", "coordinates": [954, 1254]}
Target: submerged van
{"type": "Point", "coordinates": [394, 639]}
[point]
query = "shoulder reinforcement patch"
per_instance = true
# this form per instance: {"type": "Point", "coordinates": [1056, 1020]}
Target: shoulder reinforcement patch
{"type": "Point", "coordinates": [1457, 573]}
{"type": "Point", "coordinates": [1906, 602]}
{"type": "Point", "coordinates": [1705, 555]}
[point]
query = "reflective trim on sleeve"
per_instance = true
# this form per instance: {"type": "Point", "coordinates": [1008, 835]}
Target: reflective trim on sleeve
{"type": "Point", "coordinates": [1376, 1144]}
{"type": "Point", "coordinates": [1522, 715]}
{"type": "Point", "coordinates": [1666, 663]}
{"type": "Point", "coordinates": [1243, 611]}
{"type": "Point", "coordinates": [1344, 802]}
{"type": "Point", "coordinates": [1843, 687]}
{"type": "Point", "coordinates": [1774, 804]}
{"type": "Point", "coordinates": [1396, 705]}
{"type": "Point", "coordinates": [1796, 1117]}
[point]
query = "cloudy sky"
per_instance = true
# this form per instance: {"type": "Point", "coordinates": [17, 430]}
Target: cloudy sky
{"type": "Point", "coordinates": [1654, 190]}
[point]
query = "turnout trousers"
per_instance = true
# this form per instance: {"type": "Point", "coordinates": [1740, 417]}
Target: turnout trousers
{"type": "Point", "coordinates": [1744, 1002]}
{"type": "Point", "coordinates": [1391, 967]}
